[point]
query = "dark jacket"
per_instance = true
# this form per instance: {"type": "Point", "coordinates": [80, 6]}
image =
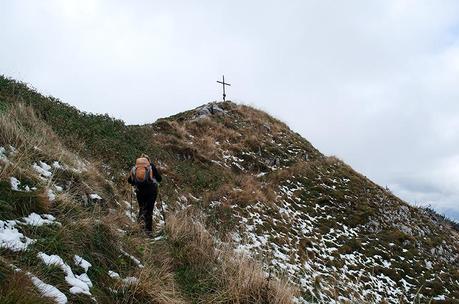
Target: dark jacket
{"type": "Point", "coordinates": [147, 187]}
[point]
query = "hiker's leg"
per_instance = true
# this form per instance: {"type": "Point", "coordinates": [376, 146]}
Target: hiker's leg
{"type": "Point", "coordinates": [141, 201]}
{"type": "Point", "coordinates": [148, 214]}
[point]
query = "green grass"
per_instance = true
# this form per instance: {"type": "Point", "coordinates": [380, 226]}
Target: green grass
{"type": "Point", "coordinates": [16, 288]}
{"type": "Point", "coordinates": [16, 204]}
{"type": "Point", "coordinates": [94, 136]}
{"type": "Point", "coordinates": [195, 282]}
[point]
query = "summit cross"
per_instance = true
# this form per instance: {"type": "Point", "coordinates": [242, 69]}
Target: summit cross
{"type": "Point", "coordinates": [224, 84]}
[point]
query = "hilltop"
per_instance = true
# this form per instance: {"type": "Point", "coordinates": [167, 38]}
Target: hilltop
{"type": "Point", "coordinates": [255, 214]}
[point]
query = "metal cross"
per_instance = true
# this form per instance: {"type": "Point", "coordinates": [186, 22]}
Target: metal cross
{"type": "Point", "coordinates": [224, 84]}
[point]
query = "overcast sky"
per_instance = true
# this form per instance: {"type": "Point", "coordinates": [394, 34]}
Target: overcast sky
{"type": "Point", "coordinates": [372, 82]}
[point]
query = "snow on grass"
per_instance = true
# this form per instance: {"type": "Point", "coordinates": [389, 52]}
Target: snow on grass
{"type": "Point", "coordinates": [261, 174]}
{"type": "Point", "coordinates": [14, 183]}
{"type": "Point", "coordinates": [11, 238]}
{"type": "Point", "coordinates": [114, 275]}
{"type": "Point", "coordinates": [95, 196]}
{"type": "Point", "coordinates": [3, 153]}
{"type": "Point", "coordinates": [80, 283]}
{"type": "Point", "coordinates": [428, 264]}
{"type": "Point", "coordinates": [56, 165]}
{"type": "Point", "coordinates": [51, 195]}
{"type": "Point", "coordinates": [126, 280]}
{"type": "Point", "coordinates": [43, 169]}
{"type": "Point", "coordinates": [130, 280]}
{"type": "Point", "coordinates": [35, 219]}
{"type": "Point", "coordinates": [79, 261]}
{"type": "Point", "coordinates": [47, 290]}
{"type": "Point", "coordinates": [129, 212]}
{"type": "Point", "coordinates": [133, 258]}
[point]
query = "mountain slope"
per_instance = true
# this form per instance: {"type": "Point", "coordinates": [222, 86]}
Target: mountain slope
{"type": "Point", "coordinates": [258, 188]}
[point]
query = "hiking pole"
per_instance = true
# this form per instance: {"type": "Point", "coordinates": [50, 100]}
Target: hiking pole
{"type": "Point", "coordinates": [131, 202]}
{"type": "Point", "coordinates": [162, 207]}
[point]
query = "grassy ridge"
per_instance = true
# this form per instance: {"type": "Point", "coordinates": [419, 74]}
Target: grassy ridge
{"type": "Point", "coordinates": [45, 130]}
{"type": "Point", "coordinates": [98, 137]}
{"type": "Point", "coordinates": [223, 166]}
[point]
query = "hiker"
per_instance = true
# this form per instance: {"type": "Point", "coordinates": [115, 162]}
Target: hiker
{"type": "Point", "coordinates": [145, 178]}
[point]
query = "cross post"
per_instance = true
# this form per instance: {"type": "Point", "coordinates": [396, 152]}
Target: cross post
{"type": "Point", "coordinates": [224, 84]}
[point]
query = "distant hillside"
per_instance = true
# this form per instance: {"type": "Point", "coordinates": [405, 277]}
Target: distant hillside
{"type": "Point", "coordinates": [255, 214]}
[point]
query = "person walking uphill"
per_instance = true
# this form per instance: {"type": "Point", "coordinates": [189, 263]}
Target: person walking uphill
{"type": "Point", "coordinates": [144, 176]}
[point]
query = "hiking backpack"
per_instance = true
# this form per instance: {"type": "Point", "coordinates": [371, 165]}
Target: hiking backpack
{"type": "Point", "coordinates": [142, 172]}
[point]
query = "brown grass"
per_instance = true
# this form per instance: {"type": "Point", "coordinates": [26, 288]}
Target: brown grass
{"type": "Point", "coordinates": [239, 278]}
{"type": "Point", "coordinates": [260, 120]}
{"type": "Point", "coordinates": [246, 190]}
{"type": "Point", "coordinates": [300, 168]}
{"type": "Point", "coordinates": [33, 139]}
{"type": "Point", "coordinates": [158, 282]}
{"type": "Point", "coordinates": [186, 230]}
{"type": "Point", "coordinates": [16, 287]}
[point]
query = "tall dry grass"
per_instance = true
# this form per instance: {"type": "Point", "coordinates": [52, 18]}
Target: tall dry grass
{"type": "Point", "coordinates": [241, 280]}
{"type": "Point", "coordinates": [32, 138]}
{"type": "Point", "coordinates": [237, 278]}
{"type": "Point", "coordinates": [157, 281]}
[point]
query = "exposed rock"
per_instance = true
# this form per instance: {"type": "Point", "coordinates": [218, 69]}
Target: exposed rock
{"type": "Point", "coordinates": [209, 109]}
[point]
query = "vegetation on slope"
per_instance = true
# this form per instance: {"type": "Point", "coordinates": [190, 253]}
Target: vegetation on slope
{"type": "Point", "coordinates": [185, 265]}
{"type": "Point", "coordinates": [242, 177]}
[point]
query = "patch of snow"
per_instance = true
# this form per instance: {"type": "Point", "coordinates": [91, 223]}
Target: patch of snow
{"type": "Point", "coordinates": [44, 166]}
{"type": "Point", "coordinates": [51, 195]}
{"type": "Point", "coordinates": [35, 219]}
{"type": "Point", "coordinates": [126, 280]}
{"type": "Point", "coordinates": [56, 165]}
{"type": "Point", "coordinates": [3, 156]}
{"type": "Point", "coordinates": [159, 238]}
{"type": "Point", "coordinates": [386, 264]}
{"type": "Point", "coordinates": [130, 280]}
{"type": "Point", "coordinates": [429, 265]}
{"type": "Point", "coordinates": [121, 231]}
{"type": "Point", "coordinates": [12, 149]}
{"type": "Point", "coordinates": [42, 169]}
{"type": "Point", "coordinates": [129, 212]}
{"type": "Point", "coordinates": [95, 196]}
{"type": "Point", "coordinates": [14, 183]}
{"type": "Point", "coordinates": [58, 188]}
{"type": "Point", "coordinates": [79, 261]}
{"type": "Point", "coordinates": [113, 275]}
{"type": "Point", "coordinates": [48, 217]}
{"type": "Point", "coordinates": [11, 238]}
{"type": "Point", "coordinates": [193, 197]}
{"type": "Point", "coordinates": [47, 290]}
{"type": "Point", "coordinates": [80, 283]}
{"type": "Point", "coordinates": [133, 258]}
